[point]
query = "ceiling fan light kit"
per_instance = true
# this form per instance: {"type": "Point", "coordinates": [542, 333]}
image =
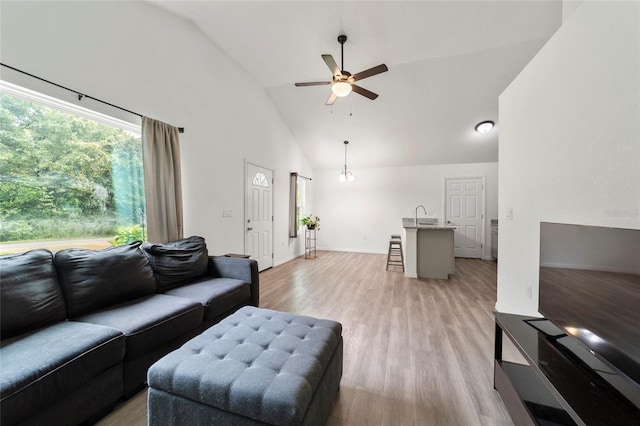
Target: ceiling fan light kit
{"type": "Point", "coordinates": [342, 81]}
{"type": "Point", "coordinates": [341, 89]}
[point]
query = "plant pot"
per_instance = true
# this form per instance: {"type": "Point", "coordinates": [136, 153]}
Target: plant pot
{"type": "Point", "coordinates": [311, 227]}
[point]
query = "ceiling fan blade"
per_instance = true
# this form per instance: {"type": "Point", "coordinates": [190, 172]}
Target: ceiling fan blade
{"type": "Point", "coordinates": [331, 99]}
{"type": "Point", "coordinates": [370, 72]}
{"type": "Point", "coordinates": [313, 83]}
{"type": "Point", "coordinates": [364, 92]}
{"type": "Point", "coordinates": [328, 59]}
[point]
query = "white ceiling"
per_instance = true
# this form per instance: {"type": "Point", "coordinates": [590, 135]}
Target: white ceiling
{"type": "Point", "coordinates": [448, 63]}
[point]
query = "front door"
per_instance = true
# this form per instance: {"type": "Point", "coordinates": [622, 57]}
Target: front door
{"type": "Point", "coordinates": [464, 209]}
{"type": "Point", "coordinates": [259, 215]}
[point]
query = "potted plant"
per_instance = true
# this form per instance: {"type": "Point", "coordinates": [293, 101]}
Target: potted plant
{"type": "Point", "coordinates": [311, 222]}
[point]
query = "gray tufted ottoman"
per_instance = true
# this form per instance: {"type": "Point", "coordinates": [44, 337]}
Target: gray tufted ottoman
{"type": "Point", "coordinates": [255, 367]}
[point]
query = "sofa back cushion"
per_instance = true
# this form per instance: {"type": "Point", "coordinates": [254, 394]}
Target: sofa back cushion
{"type": "Point", "coordinates": [30, 296]}
{"type": "Point", "coordinates": [179, 262]}
{"type": "Point", "coordinates": [92, 280]}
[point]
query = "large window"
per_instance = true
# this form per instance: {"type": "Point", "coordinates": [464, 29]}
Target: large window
{"type": "Point", "coordinates": [300, 200]}
{"type": "Point", "coordinates": [69, 177]}
{"type": "Point", "coordinates": [297, 203]}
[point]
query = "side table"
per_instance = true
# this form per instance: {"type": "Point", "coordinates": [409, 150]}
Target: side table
{"type": "Point", "coordinates": [310, 243]}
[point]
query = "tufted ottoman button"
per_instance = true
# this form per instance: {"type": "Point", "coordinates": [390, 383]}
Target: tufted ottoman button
{"type": "Point", "coordinates": [262, 367]}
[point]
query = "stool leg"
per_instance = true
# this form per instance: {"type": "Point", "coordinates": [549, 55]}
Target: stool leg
{"type": "Point", "coordinates": [395, 250]}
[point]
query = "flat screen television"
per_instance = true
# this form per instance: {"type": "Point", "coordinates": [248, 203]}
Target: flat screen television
{"type": "Point", "coordinates": [590, 287]}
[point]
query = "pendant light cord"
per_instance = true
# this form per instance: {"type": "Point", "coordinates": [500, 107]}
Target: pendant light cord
{"type": "Point", "coordinates": [345, 157]}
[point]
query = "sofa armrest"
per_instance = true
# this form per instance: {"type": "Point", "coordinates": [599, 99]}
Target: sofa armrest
{"type": "Point", "coordinates": [237, 268]}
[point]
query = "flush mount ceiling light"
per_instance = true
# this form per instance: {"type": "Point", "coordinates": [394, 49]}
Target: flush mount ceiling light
{"type": "Point", "coordinates": [484, 127]}
{"type": "Point", "coordinates": [346, 175]}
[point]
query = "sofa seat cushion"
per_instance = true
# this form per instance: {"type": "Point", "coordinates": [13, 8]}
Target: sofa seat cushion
{"type": "Point", "coordinates": [43, 365]}
{"type": "Point", "coordinates": [149, 322]}
{"type": "Point", "coordinates": [217, 295]}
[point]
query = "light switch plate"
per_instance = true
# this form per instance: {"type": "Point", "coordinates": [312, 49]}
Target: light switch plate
{"type": "Point", "coordinates": [227, 213]}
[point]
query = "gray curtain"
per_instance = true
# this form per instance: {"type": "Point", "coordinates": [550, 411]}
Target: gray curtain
{"type": "Point", "coordinates": [162, 181]}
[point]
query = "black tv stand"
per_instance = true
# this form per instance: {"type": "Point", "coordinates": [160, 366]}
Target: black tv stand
{"type": "Point", "coordinates": [563, 384]}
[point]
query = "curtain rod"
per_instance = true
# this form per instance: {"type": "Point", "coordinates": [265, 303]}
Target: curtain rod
{"type": "Point", "coordinates": [299, 175]}
{"type": "Point", "coordinates": [80, 95]}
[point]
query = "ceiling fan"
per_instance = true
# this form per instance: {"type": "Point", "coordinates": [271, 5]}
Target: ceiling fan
{"type": "Point", "coordinates": [342, 82]}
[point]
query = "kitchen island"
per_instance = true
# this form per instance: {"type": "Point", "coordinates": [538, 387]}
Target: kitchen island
{"type": "Point", "coordinates": [428, 250]}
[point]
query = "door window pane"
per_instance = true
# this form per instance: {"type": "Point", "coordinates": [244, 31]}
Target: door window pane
{"type": "Point", "coordinates": [259, 179]}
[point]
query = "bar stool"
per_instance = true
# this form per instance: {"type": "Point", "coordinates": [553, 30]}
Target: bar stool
{"type": "Point", "coordinates": [394, 255]}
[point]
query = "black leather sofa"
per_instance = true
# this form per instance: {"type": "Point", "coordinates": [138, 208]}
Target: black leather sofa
{"type": "Point", "coordinates": [81, 328]}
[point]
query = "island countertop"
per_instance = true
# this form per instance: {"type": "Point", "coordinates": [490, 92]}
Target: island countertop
{"type": "Point", "coordinates": [434, 227]}
{"type": "Point", "coordinates": [423, 223]}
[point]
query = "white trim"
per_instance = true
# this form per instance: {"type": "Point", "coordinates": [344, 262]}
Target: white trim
{"type": "Point", "coordinates": [51, 102]}
{"type": "Point", "coordinates": [500, 308]}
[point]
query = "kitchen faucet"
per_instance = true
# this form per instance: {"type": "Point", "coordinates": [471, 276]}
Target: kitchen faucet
{"type": "Point", "coordinates": [416, 217]}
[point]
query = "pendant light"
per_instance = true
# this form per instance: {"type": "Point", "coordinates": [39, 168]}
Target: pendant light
{"type": "Point", "coordinates": [346, 175]}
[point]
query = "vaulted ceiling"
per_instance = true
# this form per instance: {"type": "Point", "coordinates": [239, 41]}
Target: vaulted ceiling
{"type": "Point", "coordinates": [448, 63]}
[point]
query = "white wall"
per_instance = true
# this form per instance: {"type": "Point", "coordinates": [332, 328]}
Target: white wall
{"type": "Point", "coordinates": [568, 7]}
{"type": "Point", "coordinates": [361, 216]}
{"type": "Point", "coordinates": [139, 57]}
{"type": "Point", "coordinates": [569, 141]}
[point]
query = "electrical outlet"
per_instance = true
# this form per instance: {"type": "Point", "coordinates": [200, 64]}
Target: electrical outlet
{"type": "Point", "coordinates": [529, 292]}
{"type": "Point", "coordinates": [509, 215]}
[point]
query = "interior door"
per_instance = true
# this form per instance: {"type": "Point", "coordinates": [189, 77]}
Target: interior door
{"type": "Point", "coordinates": [464, 209]}
{"type": "Point", "coordinates": [259, 215]}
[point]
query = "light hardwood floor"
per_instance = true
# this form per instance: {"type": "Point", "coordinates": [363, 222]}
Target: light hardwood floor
{"type": "Point", "coordinates": [416, 351]}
